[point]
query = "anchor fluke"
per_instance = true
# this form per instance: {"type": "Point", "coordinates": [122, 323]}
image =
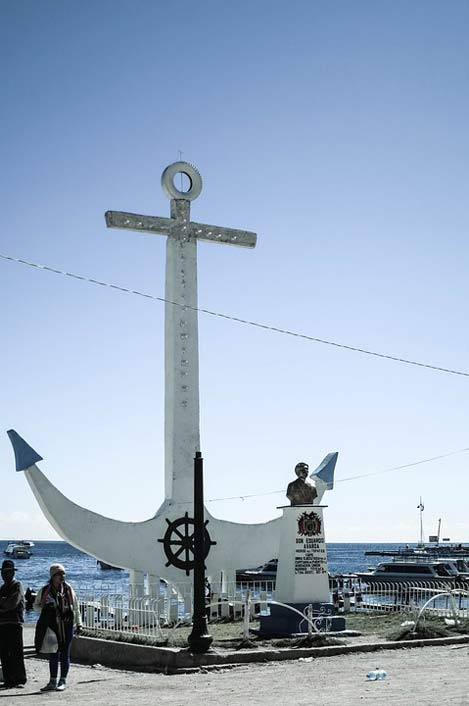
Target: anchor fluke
{"type": "Point", "coordinates": [323, 476]}
{"type": "Point", "coordinates": [325, 470]}
{"type": "Point", "coordinates": [25, 455]}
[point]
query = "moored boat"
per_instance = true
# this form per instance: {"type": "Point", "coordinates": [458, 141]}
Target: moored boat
{"type": "Point", "coordinates": [265, 572]}
{"type": "Point", "coordinates": [18, 550]}
{"type": "Point", "coordinates": [416, 572]}
{"type": "Point", "coordinates": [433, 551]}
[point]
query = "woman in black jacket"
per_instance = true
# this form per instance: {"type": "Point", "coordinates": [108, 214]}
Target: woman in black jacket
{"type": "Point", "coordinates": [11, 628]}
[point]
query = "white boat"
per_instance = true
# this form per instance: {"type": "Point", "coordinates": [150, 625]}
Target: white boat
{"type": "Point", "coordinates": [17, 550]}
{"type": "Point", "coordinates": [415, 572]}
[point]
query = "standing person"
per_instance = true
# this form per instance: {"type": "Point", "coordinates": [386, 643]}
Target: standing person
{"type": "Point", "coordinates": [59, 611]}
{"type": "Point", "coordinates": [11, 628]}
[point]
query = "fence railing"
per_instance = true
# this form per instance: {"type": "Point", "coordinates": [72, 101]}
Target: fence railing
{"type": "Point", "coordinates": [172, 605]}
{"type": "Point", "coordinates": [121, 614]}
{"type": "Point", "coordinates": [146, 615]}
{"type": "Point", "coordinates": [387, 597]}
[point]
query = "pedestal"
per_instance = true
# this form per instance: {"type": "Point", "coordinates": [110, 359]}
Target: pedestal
{"type": "Point", "coordinates": [302, 574]}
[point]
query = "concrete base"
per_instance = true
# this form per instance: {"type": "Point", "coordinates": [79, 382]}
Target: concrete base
{"type": "Point", "coordinates": [283, 622]}
{"type": "Point", "coordinates": [122, 655]}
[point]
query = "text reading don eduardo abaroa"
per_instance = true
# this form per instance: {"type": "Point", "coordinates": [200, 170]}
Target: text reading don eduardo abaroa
{"type": "Point", "coordinates": [310, 550]}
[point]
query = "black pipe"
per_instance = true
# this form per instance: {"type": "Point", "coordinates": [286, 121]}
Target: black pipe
{"type": "Point", "coordinates": [199, 639]}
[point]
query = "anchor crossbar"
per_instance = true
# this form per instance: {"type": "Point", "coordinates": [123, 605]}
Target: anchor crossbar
{"type": "Point", "coordinates": [175, 227]}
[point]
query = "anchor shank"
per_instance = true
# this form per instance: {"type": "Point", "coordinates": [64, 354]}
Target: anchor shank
{"type": "Point", "coordinates": [182, 415]}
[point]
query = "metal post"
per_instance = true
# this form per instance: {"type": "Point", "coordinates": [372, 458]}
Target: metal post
{"type": "Point", "coordinates": [310, 618]}
{"type": "Point", "coordinates": [247, 611]}
{"type": "Point", "coordinates": [199, 640]}
{"type": "Point", "coordinates": [453, 608]}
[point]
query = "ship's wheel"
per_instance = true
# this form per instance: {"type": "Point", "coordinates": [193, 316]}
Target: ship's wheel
{"type": "Point", "coordinates": [178, 543]}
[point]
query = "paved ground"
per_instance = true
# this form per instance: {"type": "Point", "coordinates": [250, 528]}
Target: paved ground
{"type": "Point", "coordinates": [426, 676]}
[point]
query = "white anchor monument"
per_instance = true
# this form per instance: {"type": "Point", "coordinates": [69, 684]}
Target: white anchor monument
{"type": "Point", "coordinates": [135, 545]}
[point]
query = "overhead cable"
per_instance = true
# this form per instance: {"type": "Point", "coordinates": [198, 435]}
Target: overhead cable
{"type": "Point", "coordinates": [343, 480]}
{"type": "Point", "coordinates": [239, 320]}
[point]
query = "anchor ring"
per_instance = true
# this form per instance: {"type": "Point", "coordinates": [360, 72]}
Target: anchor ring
{"type": "Point", "coordinates": [167, 181]}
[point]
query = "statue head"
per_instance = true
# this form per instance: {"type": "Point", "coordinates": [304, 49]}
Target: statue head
{"type": "Point", "coordinates": [302, 470]}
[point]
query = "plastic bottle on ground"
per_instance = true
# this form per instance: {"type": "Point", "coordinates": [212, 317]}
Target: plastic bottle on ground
{"type": "Point", "coordinates": [376, 674]}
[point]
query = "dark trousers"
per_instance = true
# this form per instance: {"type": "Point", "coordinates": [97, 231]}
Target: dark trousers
{"type": "Point", "coordinates": [11, 654]}
{"type": "Point", "coordinates": [63, 656]}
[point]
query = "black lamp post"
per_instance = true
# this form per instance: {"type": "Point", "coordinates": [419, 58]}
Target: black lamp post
{"type": "Point", "coordinates": [199, 639]}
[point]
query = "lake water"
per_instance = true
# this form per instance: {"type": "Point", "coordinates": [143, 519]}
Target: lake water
{"type": "Point", "coordinates": [83, 572]}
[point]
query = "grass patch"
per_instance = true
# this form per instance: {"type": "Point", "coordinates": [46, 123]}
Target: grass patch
{"type": "Point", "coordinates": [125, 637]}
{"type": "Point", "coordinates": [429, 628]}
{"type": "Point", "coordinates": [426, 630]}
{"type": "Point", "coordinates": [228, 635]}
{"type": "Point", "coordinates": [389, 626]}
{"type": "Point", "coordinates": [170, 637]}
{"type": "Point", "coordinates": [462, 628]}
{"type": "Point", "coordinates": [375, 623]}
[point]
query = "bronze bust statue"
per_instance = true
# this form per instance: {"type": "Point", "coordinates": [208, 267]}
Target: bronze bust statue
{"type": "Point", "coordinates": [301, 491]}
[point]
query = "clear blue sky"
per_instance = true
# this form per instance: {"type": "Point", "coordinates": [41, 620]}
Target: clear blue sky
{"type": "Point", "coordinates": [335, 130]}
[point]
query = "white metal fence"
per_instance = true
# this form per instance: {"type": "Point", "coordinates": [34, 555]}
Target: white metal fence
{"type": "Point", "coordinates": [448, 600]}
{"type": "Point", "coordinates": [121, 614]}
{"type": "Point", "coordinates": [171, 605]}
{"type": "Point", "coordinates": [147, 615]}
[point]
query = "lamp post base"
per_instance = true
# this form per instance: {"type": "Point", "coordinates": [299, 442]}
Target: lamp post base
{"type": "Point", "coordinates": [199, 639]}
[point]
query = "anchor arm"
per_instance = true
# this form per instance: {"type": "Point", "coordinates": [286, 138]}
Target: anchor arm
{"type": "Point", "coordinates": [134, 545]}
{"type": "Point", "coordinates": [228, 236]}
{"type": "Point", "coordinates": [144, 224]}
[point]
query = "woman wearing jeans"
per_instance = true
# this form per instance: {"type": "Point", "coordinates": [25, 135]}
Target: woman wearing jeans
{"type": "Point", "coordinates": [60, 612]}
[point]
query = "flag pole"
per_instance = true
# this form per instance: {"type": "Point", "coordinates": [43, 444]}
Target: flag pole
{"type": "Point", "coordinates": [421, 508]}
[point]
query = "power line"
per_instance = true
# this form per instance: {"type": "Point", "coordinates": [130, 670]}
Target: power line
{"type": "Point", "coordinates": [238, 320]}
{"type": "Point", "coordinates": [343, 480]}
{"type": "Point", "coordinates": [407, 465]}
{"type": "Point", "coordinates": [276, 330]}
